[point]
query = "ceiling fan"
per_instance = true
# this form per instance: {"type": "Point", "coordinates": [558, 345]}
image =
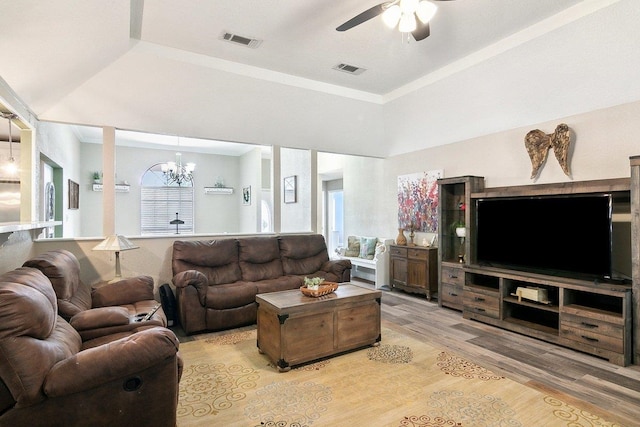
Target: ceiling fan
{"type": "Point", "coordinates": [411, 16]}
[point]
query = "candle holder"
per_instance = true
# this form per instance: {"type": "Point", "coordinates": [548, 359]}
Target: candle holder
{"type": "Point", "coordinates": [412, 235]}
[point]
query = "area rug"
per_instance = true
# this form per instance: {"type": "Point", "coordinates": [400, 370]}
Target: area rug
{"type": "Point", "coordinates": [402, 382]}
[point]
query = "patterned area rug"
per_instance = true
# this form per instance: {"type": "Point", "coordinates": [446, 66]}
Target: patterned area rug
{"type": "Point", "coordinates": [401, 382]}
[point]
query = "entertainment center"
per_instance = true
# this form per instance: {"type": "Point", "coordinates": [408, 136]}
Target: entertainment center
{"type": "Point", "coordinates": [528, 240]}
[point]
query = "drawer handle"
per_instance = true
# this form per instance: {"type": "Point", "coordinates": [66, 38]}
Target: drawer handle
{"type": "Point", "coordinates": [590, 339]}
{"type": "Point", "coordinates": [453, 276]}
{"type": "Point", "coordinates": [588, 325]}
{"type": "Point", "coordinates": [480, 309]}
{"type": "Point", "coordinates": [478, 299]}
{"type": "Point", "coordinates": [453, 294]}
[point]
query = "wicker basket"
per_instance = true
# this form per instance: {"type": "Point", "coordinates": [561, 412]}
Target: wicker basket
{"type": "Point", "coordinates": [324, 289]}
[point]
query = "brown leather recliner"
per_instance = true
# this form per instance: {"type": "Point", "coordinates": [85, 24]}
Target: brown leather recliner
{"type": "Point", "coordinates": [48, 378]}
{"type": "Point", "coordinates": [112, 308]}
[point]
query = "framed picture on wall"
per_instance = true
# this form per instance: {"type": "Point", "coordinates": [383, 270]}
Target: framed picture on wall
{"type": "Point", "coordinates": [246, 195]}
{"type": "Point", "coordinates": [74, 195]}
{"type": "Point", "coordinates": [290, 189]}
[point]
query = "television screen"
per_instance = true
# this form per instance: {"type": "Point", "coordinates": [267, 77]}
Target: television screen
{"type": "Point", "coordinates": [559, 235]}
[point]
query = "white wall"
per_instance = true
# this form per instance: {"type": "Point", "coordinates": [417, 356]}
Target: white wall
{"type": "Point", "coordinates": [60, 146]}
{"type": "Point", "coordinates": [230, 108]}
{"type": "Point", "coordinates": [602, 144]}
{"type": "Point", "coordinates": [296, 216]}
{"type": "Point", "coordinates": [217, 213]}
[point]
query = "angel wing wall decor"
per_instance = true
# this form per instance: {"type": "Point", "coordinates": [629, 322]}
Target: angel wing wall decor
{"type": "Point", "coordinates": [538, 144]}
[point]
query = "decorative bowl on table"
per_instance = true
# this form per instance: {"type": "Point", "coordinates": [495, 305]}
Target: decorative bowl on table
{"type": "Point", "coordinates": [317, 287]}
{"type": "Point", "coordinates": [323, 289]}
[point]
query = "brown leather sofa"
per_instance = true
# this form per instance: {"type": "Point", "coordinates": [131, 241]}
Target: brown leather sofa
{"type": "Point", "coordinates": [111, 308]}
{"type": "Point", "coordinates": [217, 280]}
{"type": "Point", "coordinates": [49, 378]}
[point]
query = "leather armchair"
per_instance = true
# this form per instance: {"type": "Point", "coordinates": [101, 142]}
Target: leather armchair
{"type": "Point", "coordinates": [48, 377]}
{"type": "Point", "coordinates": [111, 308]}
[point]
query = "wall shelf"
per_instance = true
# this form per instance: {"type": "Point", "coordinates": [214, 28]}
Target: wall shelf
{"type": "Point", "coordinates": [218, 190]}
{"type": "Point", "coordinates": [120, 188]}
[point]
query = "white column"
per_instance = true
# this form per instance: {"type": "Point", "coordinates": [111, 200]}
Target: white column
{"type": "Point", "coordinates": [314, 190]}
{"type": "Point", "coordinates": [276, 190]}
{"type": "Point", "coordinates": [108, 180]}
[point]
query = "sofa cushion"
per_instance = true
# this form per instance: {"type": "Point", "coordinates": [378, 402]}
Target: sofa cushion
{"type": "Point", "coordinates": [283, 283]}
{"type": "Point", "coordinates": [303, 254]}
{"type": "Point", "coordinates": [27, 303]}
{"type": "Point", "coordinates": [353, 246]}
{"type": "Point", "coordinates": [231, 295]}
{"type": "Point", "coordinates": [216, 259]}
{"type": "Point", "coordinates": [33, 338]}
{"type": "Point", "coordinates": [99, 318]}
{"type": "Point", "coordinates": [131, 289]}
{"type": "Point", "coordinates": [259, 258]}
{"type": "Point", "coordinates": [367, 247]}
{"type": "Point", "coordinates": [63, 270]}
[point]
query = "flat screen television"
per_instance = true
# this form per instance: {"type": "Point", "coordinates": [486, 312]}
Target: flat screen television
{"type": "Point", "coordinates": [569, 235]}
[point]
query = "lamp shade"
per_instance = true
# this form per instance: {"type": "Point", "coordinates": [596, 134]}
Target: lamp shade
{"type": "Point", "coordinates": [115, 243]}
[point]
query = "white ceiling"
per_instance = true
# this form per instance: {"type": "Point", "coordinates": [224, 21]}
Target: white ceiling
{"type": "Point", "coordinates": [54, 53]}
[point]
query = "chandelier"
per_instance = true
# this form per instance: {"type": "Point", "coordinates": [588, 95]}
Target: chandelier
{"type": "Point", "coordinates": [176, 172]}
{"type": "Point", "coordinates": [403, 13]}
{"type": "Point", "coordinates": [12, 166]}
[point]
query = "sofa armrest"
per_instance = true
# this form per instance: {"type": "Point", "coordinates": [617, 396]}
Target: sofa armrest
{"type": "Point", "coordinates": [194, 278]}
{"type": "Point", "coordinates": [118, 359]}
{"type": "Point", "coordinates": [100, 317]}
{"type": "Point", "coordinates": [339, 267]}
{"type": "Point", "coordinates": [125, 291]}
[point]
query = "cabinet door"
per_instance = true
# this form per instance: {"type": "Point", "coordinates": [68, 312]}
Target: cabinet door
{"type": "Point", "coordinates": [417, 274]}
{"type": "Point", "coordinates": [399, 270]}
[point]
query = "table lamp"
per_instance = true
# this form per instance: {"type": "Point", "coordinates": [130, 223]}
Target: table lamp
{"type": "Point", "coordinates": [115, 243]}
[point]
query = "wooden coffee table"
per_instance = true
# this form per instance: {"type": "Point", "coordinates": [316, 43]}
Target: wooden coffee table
{"type": "Point", "coordinates": [295, 329]}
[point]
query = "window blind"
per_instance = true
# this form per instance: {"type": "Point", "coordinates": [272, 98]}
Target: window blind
{"type": "Point", "coordinates": [159, 208]}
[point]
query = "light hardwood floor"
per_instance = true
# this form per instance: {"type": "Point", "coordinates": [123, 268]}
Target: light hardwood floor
{"type": "Point", "coordinates": [526, 360]}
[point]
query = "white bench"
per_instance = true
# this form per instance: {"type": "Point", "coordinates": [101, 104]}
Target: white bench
{"type": "Point", "coordinates": [375, 270]}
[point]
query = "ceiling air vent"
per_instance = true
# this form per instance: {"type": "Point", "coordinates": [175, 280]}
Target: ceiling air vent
{"type": "Point", "coordinates": [245, 41]}
{"type": "Point", "coordinates": [351, 69]}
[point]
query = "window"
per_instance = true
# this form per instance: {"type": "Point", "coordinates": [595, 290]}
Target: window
{"type": "Point", "coordinates": [166, 208]}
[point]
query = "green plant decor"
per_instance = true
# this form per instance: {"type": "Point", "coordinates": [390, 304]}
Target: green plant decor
{"type": "Point", "coordinates": [313, 283]}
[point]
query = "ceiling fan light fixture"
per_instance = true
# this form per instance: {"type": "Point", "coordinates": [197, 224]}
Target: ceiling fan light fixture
{"type": "Point", "coordinates": [408, 6]}
{"type": "Point", "coordinates": [407, 23]}
{"type": "Point", "coordinates": [426, 11]}
{"type": "Point", "coordinates": [391, 16]}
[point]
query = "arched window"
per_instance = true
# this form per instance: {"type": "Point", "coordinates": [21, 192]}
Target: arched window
{"type": "Point", "coordinates": [166, 206]}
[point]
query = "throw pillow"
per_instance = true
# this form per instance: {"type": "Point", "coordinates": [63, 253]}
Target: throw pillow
{"type": "Point", "coordinates": [368, 247]}
{"type": "Point", "coordinates": [353, 246]}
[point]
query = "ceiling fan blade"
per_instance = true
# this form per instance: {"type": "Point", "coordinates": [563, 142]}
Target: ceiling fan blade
{"type": "Point", "coordinates": [422, 31]}
{"type": "Point", "coordinates": [363, 17]}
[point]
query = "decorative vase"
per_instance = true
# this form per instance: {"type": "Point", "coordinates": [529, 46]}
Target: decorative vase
{"type": "Point", "coordinates": [401, 240]}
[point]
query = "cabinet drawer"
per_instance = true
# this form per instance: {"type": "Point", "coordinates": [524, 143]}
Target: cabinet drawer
{"type": "Point", "coordinates": [453, 276]}
{"type": "Point", "coordinates": [396, 251]}
{"type": "Point", "coordinates": [481, 303]}
{"type": "Point", "coordinates": [452, 296]}
{"type": "Point", "coordinates": [418, 254]}
{"type": "Point", "coordinates": [591, 325]}
{"type": "Point", "coordinates": [589, 337]}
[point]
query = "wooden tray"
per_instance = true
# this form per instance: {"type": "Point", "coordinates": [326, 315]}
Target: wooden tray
{"type": "Point", "coordinates": [324, 289]}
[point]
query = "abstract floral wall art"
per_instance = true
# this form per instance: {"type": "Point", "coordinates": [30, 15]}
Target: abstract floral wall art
{"type": "Point", "coordinates": [418, 201]}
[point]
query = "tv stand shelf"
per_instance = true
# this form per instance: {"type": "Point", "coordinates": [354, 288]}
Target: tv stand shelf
{"type": "Point", "coordinates": [594, 318]}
